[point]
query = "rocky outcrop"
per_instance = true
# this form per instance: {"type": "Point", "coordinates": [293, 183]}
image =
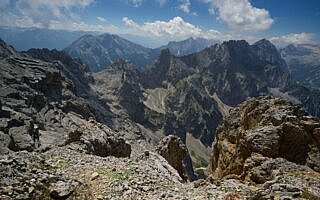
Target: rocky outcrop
{"type": "Point", "coordinates": [27, 86]}
{"type": "Point", "coordinates": [175, 152]}
{"type": "Point", "coordinates": [79, 79]}
{"type": "Point", "coordinates": [62, 190]}
{"type": "Point", "coordinates": [21, 139]}
{"type": "Point", "coordinates": [99, 140]}
{"type": "Point", "coordinates": [268, 142]}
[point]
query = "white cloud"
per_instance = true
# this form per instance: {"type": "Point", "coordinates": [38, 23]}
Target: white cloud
{"type": "Point", "coordinates": [212, 11]}
{"type": "Point", "coordinates": [216, 35]}
{"type": "Point", "coordinates": [161, 2]}
{"type": "Point", "coordinates": [101, 19]}
{"type": "Point", "coordinates": [130, 22]}
{"type": "Point", "coordinates": [175, 27]}
{"type": "Point", "coordinates": [241, 15]}
{"type": "Point", "coordinates": [40, 13]}
{"type": "Point", "coordinates": [293, 38]}
{"type": "Point", "coordinates": [136, 3]}
{"type": "Point", "coordinates": [185, 6]}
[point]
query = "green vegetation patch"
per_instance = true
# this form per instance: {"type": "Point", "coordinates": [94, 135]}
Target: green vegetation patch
{"type": "Point", "coordinates": [114, 175]}
{"type": "Point", "coordinates": [199, 163]}
{"type": "Point", "coordinates": [61, 163]}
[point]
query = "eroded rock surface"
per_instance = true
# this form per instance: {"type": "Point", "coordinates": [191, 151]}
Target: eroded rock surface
{"type": "Point", "coordinates": [270, 143]}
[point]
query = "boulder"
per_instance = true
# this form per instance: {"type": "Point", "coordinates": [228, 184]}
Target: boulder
{"type": "Point", "coordinates": [62, 190]}
{"type": "Point", "coordinates": [175, 152]}
{"type": "Point", "coordinates": [99, 141]}
{"type": "Point", "coordinates": [21, 139]}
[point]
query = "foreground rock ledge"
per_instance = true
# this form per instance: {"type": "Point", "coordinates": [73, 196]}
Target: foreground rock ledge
{"type": "Point", "coordinates": [270, 143]}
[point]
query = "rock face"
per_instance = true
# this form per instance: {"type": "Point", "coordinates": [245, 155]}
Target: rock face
{"type": "Point", "coordinates": [51, 93]}
{"type": "Point", "coordinates": [263, 142]}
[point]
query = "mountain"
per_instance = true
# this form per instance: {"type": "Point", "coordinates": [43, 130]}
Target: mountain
{"type": "Point", "coordinates": [103, 50]}
{"type": "Point", "coordinates": [23, 39]}
{"type": "Point", "coordinates": [188, 96]}
{"type": "Point", "coordinates": [68, 133]}
{"type": "Point", "coordinates": [185, 47]}
{"type": "Point", "coordinates": [304, 63]}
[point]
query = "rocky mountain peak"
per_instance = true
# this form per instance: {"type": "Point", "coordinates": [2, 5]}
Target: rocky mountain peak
{"type": "Point", "coordinates": [84, 38]}
{"type": "Point", "coordinates": [264, 43]}
{"type": "Point", "coordinates": [107, 38]}
{"type": "Point", "coordinates": [236, 43]}
{"type": "Point", "coordinates": [268, 52]}
{"type": "Point", "coordinates": [237, 46]}
{"type": "Point", "coordinates": [238, 50]}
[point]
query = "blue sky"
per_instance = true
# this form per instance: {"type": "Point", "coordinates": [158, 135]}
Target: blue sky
{"type": "Point", "coordinates": [160, 21]}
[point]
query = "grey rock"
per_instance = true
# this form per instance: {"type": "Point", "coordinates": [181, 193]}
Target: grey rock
{"type": "Point", "coordinates": [21, 139]}
{"type": "Point", "coordinates": [61, 189]}
{"type": "Point", "coordinates": [100, 141]}
{"type": "Point", "coordinates": [5, 142]}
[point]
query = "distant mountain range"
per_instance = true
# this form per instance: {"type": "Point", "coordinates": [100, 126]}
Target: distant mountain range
{"type": "Point", "coordinates": [99, 51]}
{"type": "Point", "coordinates": [103, 50]}
{"type": "Point", "coordinates": [304, 63]}
{"type": "Point", "coordinates": [23, 39]}
{"type": "Point", "coordinates": [185, 47]}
